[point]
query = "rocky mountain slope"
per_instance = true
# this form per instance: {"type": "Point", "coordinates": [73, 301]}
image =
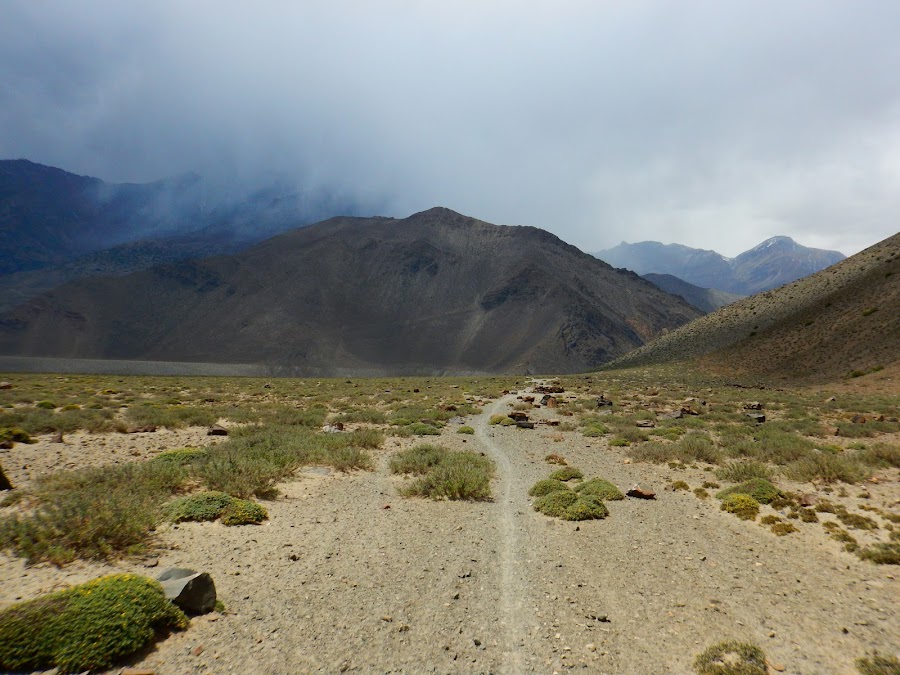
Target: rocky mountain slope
{"type": "Point", "coordinates": [772, 263]}
{"type": "Point", "coordinates": [56, 226]}
{"type": "Point", "coordinates": [433, 293]}
{"type": "Point", "coordinates": [705, 299]}
{"type": "Point", "coordinates": [843, 320]}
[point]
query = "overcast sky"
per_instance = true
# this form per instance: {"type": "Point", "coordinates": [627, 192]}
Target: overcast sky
{"type": "Point", "coordinates": [714, 124]}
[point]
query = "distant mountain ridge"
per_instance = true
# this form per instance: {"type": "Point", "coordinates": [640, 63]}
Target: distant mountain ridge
{"type": "Point", "coordinates": [823, 327]}
{"type": "Point", "coordinates": [53, 224]}
{"type": "Point", "coordinates": [705, 299]}
{"type": "Point", "coordinates": [774, 262]}
{"type": "Point", "coordinates": [437, 292]}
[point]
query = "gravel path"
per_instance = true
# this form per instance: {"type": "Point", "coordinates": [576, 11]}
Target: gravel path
{"type": "Point", "coordinates": [347, 576]}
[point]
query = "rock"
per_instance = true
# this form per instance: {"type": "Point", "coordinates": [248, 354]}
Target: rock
{"type": "Point", "coordinates": [58, 438]}
{"type": "Point", "coordinates": [217, 430]}
{"type": "Point", "coordinates": [688, 411]}
{"type": "Point", "coordinates": [524, 425]}
{"type": "Point", "coordinates": [775, 666]}
{"type": "Point", "coordinates": [151, 562]}
{"type": "Point", "coordinates": [518, 416]}
{"type": "Point", "coordinates": [335, 428]}
{"type": "Point", "coordinates": [603, 402]}
{"type": "Point", "coordinates": [528, 399]}
{"type": "Point", "coordinates": [759, 418]}
{"type": "Point", "coordinates": [640, 493]}
{"type": "Point", "coordinates": [552, 402]}
{"type": "Point", "coordinates": [674, 415]}
{"type": "Point", "coordinates": [6, 445]}
{"type": "Point", "coordinates": [5, 385]}
{"type": "Point", "coordinates": [890, 419]}
{"type": "Point", "coordinates": [145, 429]}
{"type": "Point", "coordinates": [753, 405]}
{"type": "Point", "coordinates": [552, 423]}
{"type": "Point", "coordinates": [197, 651]}
{"type": "Point", "coordinates": [4, 481]}
{"type": "Point", "coordinates": [645, 424]}
{"type": "Point", "coordinates": [192, 591]}
{"type": "Point", "coordinates": [268, 385]}
{"type": "Point", "coordinates": [807, 499]}
{"type": "Point", "coordinates": [858, 419]}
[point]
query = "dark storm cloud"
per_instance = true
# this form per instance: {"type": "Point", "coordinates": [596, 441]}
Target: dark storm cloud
{"type": "Point", "coordinates": [708, 123]}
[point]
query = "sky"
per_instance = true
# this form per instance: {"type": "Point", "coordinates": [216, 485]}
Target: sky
{"type": "Point", "coordinates": [714, 124]}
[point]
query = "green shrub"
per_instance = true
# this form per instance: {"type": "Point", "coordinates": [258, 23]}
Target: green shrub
{"type": "Point", "coordinates": [619, 442]}
{"type": "Point", "coordinates": [594, 430]}
{"type": "Point", "coordinates": [586, 507]}
{"type": "Point", "coordinates": [46, 405]}
{"type": "Point", "coordinates": [700, 493]}
{"type": "Point", "coordinates": [759, 488]}
{"type": "Point", "coordinates": [95, 513]}
{"type": "Point", "coordinates": [546, 486]}
{"type": "Point", "coordinates": [600, 488]}
{"type": "Point", "coordinates": [742, 471]}
{"type": "Point", "coordinates": [679, 485]}
{"type": "Point", "coordinates": [418, 460]}
{"type": "Point", "coordinates": [827, 467]}
{"type": "Point", "coordinates": [507, 422]}
{"type": "Point", "coordinates": [878, 665]}
{"type": "Point", "coordinates": [15, 435]}
{"type": "Point", "coordinates": [567, 473]}
{"type": "Point", "coordinates": [782, 529]}
{"type": "Point", "coordinates": [732, 658]}
{"type": "Point", "coordinates": [742, 505]}
{"type": "Point", "coordinates": [422, 429]}
{"type": "Point", "coordinates": [349, 458]}
{"type": "Point", "coordinates": [458, 475]}
{"type": "Point", "coordinates": [882, 553]}
{"type": "Point", "coordinates": [555, 503]}
{"type": "Point", "coordinates": [465, 430]}
{"type": "Point", "coordinates": [87, 627]}
{"type": "Point", "coordinates": [243, 512]}
{"type": "Point", "coordinates": [181, 456]}
{"type": "Point", "coordinates": [200, 507]}
{"type": "Point", "coordinates": [497, 419]}
{"type": "Point", "coordinates": [880, 455]}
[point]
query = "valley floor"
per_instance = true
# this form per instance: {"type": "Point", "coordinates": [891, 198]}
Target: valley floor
{"type": "Point", "coordinates": [348, 576]}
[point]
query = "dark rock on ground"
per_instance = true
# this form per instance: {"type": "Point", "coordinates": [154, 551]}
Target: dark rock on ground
{"type": "Point", "coordinates": [192, 591]}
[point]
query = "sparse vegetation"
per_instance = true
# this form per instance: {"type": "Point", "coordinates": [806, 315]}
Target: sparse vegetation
{"type": "Point", "coordinates": [443, 474]}
{"type": "Point", "coordinates": [760, 489]}
{"type": "Point", "coordinates": [546, 486]}
{"type": "Point", "coordinates": [878, 665]}
{"type": "Point", "coordinates": [465, 430]}
{"type": "Point", "coordinates": [601, 489]}
{"type": "Point", "coordinates": [732, 658]}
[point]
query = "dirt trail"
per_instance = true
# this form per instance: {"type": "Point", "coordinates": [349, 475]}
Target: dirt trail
{"type": "Point", "coordinates": [516, 601]}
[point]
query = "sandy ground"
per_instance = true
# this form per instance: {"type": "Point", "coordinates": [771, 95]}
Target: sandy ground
{"type": "Point", "coordinates": [347, 576]}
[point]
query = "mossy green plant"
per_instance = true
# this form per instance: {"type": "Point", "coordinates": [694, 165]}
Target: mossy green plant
{"type": "Point", "coordinates": [883, 553]}
{"type": "Point", "coordinates": [465, 430]}
{"type": "Point", "coordinates": [15, 435]}
{"type": "Point", "coordinates": [732, 658]}
{"type": "Point", "coordinates": [600, 488]}
{"type": "Point", "coordinates": [878, 665]}
{"type": "Point", "coordinates": [199, 507]}
{"type": "Point", "coordinates": [679, 485]}
{"type": "Point", "coordinates": [555, 503]}
{"type": "Point", "coordinates": [567, 473]}
{"type": "Point", "coordinates": [87, 627]}
{"type": "Point", "coordinates": [181, 456]}
{"type": "Point", "coordinates": [742, 505]}
{"type": "Point", "coordinates": [759, 488]}
{"type": "Point", "coordinates": [586, 507]}
{"type": "Point", "coordinates": [546, 486]}
{"type": "Point", "coordinates": [244, 512]}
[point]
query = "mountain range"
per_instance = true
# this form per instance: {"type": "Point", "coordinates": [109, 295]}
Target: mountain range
{"type": "Point", "coordinates": [774, 262]}
{"type": "Point", "coordinates": [841, 321]}
{"type": "Point", "coordinates": [437, 292]}
{"type": "Point", "coordinates": [56, 226]}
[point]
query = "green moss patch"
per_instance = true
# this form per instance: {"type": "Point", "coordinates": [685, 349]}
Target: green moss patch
{"type": "Point", "coordinates": [759, 488]}
{"type": "Point", "coordinates": [601, 489]}
{"type": "Point", "coordinates": [87, 627]}
{"type": "Point", "coordinates": [567, 473]}
{"type": "Point", "coordinates": [568, 505]}
{"type": "Point", "coordinates": [743, 506]}
{"type": "Point", "coordinates": [444, 474]}
{"type": "Point", "coordinates": [546, 486]}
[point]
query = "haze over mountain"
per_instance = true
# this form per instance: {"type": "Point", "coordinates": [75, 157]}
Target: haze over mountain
{"type": "Point", "coordinates": [705, 299]}
{"type": "Point", "coordinates": [774, 262]}
{"type": "Point", "coordinates": [437, 292]}
{"type": "Point", "coordinates": [825, 326]}
{"type": "Point", "coordinates": [59, 222]}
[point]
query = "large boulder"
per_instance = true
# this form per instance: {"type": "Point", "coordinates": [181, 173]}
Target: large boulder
{"type": "Point", "coordinates": [192, 591]}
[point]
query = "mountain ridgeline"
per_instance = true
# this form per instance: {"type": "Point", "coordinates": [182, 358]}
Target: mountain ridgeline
{"type": "Point", "coordinates": [841, 321]}
{"type": "Point", "coordinates": [56, 226]}
{"type": "Point", "coordinates": [774, 262]}
{"type": "Point", "coordinates": [437, 292]}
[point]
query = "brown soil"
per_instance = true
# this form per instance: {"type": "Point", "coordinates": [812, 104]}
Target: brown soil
{"type": "Point", "coordinates": [349, 576]}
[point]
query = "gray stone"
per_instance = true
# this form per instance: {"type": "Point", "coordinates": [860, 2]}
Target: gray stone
{"type": "Point", "coordinates": [759, 418]}
{"type": "Point", "coordinates": [192, 591]}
